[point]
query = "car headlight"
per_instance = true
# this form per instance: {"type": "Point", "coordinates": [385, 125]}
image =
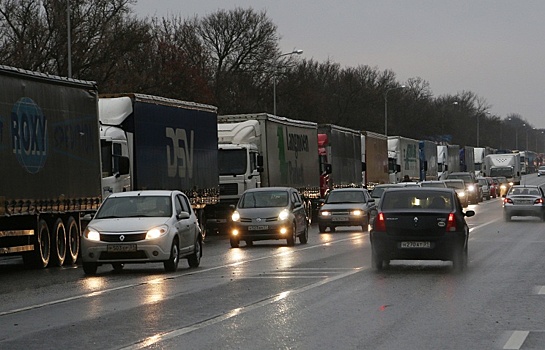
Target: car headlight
{"type": "Point", "coordinates": [284, 214]}
{"type": "Point", "coordinates": [325, 213]}
{"type": "Point", "coordinates": [356, 212]}
{"type": "Point", "coordinates": [511, 184]}
{"type": "Point", "coordinates": [156, 232]}
{"type": "Point", "coordinates": [503, 186]}
{"type": "Point", "coordinates": [461, 194]}
{"type": "Point", "coordinates": [91, 234]}
{"type": "Point", "coordinates": [235, 217]}
{"type": "Point", "coordinates": [471, 188]}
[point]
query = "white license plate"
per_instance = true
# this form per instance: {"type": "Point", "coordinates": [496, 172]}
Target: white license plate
{"type": "Point", "coordinates": [258, 228]}
{"type": "Point", "coordinates": [415, 244]}
{"type": "Point", "coordinates": [339, 218]}
{"type": "Point", "coordinates": [121, 248]}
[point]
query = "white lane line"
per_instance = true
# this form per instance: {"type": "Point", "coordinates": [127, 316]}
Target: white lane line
{"type": "Point", "coordinates": [169, 277]}
{"type": "Point", "coordinates": [159, 337]}
{"type": "Point", "coordinates": [471, 229]}
{"type": "Point", "coordinates": [540, 290]}
{"type": "Point", "coordinates": [516, 340]}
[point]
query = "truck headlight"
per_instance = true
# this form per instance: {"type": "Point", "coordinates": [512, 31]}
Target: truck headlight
{"type": "Point", "coordinates": [284, 214]}
{"type": "Point", "coordinates": [235, 217]}
{"type": "Point", "coordinates": [91, 234]}
{"type": "Point", "coordinates": [156, 232]}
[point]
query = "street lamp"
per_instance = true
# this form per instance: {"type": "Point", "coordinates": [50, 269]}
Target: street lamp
{"type": "Point", "coordinates": [294, 52]}
{"type": "Point", "coordinates": [524, 126]}
{"type": "Point", "coordinates": [386, 107]}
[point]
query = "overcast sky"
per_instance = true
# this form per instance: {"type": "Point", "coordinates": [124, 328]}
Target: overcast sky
{"type": "Point", "coordinates": [494, 48]}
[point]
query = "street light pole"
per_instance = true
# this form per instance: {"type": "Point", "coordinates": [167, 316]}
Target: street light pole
{"type": "Point", "coordinates": [386, 107]}
{"type": "Point", "coordinates": [294, 52]}
{"type": "Point", "coordinates": [69, 43]}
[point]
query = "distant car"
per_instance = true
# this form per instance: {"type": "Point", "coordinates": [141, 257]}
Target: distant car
{"type": "Point", "coordinates": [494, 188]}
{"type": "Point", "coordinates": [142, 227]}
{"type": "Point", "coordinates": [504, 185]}
{"type": "Point", "coordinates": [346, 207]}
{"type": "Point", "coordinates": [524, 200]}
{"type": "Point", "coordinates": [433, 183]}
{"type": "Point", "coordinates": [377, 191]}
{"type": "Point", "coordinates": [459, 186]}
{"type": "Point", "coordinates": [485, 187]}
{"type": "Point", "coordinates": [420, 224]}
{"type": "Point", "coordinates": [541, 170]}
{"type": "Point", "coordinates": [269, 213]}
{"type": "Point", "coordinates": [474, 191]}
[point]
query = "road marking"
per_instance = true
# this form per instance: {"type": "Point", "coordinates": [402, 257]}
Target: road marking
{"type": "Point", "coordinates": [171, 277]}
{"type": "Point", "coordinates": [540, 290]}
{"type": "Point", "coordinates": [471, 229]}
{"type": "Point", "coordinates": [516, 340]}
{"type": "Point", "coordinates": [232, 313]}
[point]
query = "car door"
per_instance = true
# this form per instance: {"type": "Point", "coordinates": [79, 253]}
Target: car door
{"type": "Point", "coordinates": [298, 211]}
{"type": "Point", "coordinates": [185, 227]}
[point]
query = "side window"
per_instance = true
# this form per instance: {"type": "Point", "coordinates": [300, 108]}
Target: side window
{"type": "Point", "coordinates": [295, 198]}
{"type": "Point", "coordinates": [178, 204]}
{"type": "Point", "coordinates": [185, 205]}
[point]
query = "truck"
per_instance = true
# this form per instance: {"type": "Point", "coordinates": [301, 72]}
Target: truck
{"type": "Point", "coordinates": [263, 150]}
{"type": "Point", "coordinates": [156, 143]}
{"type": "Point", "coordinates": [51, 167]}
{"type": "Point", "coordinates": [448, 160]}
{"type": "Point", "coordinates": [467, 159]}
{"type": "Point", "coordinates": [478, 156]}
{"type": "Point", "coordinates": [427, 152]}
{"type": "Point", "coordinates": [374, 157]}
{"type": "Point", "coordinates": [506, 164]}
{"type": "Point", "coordinates": [403, 159]}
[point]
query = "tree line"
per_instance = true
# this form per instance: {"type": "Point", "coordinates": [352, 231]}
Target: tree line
{"type": "Point", "coordinates": [232, 59]}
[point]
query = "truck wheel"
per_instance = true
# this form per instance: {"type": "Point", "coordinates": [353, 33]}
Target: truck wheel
{"type": "Point", "coordinates": [234, 242]}
{"type": "Point", "coordinates": [171, 265]}
{"type": "Point", "coordinates": [72, 240]}
{"type": "Point", "coordinates": [59, 243]}
{"type": "Point", "coordinates": [90, 268]}
{"type": "Point", "coordinates": [39, 258]}
{"type": "Point", "coordinates": [194, 260]}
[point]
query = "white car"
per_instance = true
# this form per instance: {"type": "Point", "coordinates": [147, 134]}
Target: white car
{"type": "Point", "coordinates": [541, 170]}
{"type": "Point", "coordinates": [141, 227]}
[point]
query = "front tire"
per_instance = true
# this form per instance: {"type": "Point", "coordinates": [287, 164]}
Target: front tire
{"type": "Point", "coordinates": [303, 237]}
{"type": "Point", "coordinates": [171, 265]}
{"type": "Point", "coordinates": [90, 268]}
{"type": "Point", "coordinates": [118, 267]}
{"type": "Point", "coordinates": [322, 228]}
{"type": "Point", "coordinates": [194, 260]}
{"type": "Point", "coordinates": [235, 242]}
{"type": "Point", "coordinates": [291, 238]}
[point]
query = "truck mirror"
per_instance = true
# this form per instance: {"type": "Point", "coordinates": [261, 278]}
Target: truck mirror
{"type": "Point", "coordinates": [124, 165]}
{"type": "Point", "coordinates": [259, 169]}
{"type": "Point", "coordinates": [363, 166]}
{"type": "Point", "coordinates": [260, 161]}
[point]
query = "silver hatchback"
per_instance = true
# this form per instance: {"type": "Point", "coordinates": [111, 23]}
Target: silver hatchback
{"type": "Point", "coordinates": [524, 200]}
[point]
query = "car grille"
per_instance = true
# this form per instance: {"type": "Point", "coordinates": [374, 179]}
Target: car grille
{"type": "Point", "coordinates": [274, 218]}
{"type": "Point", "coordinates": [228, 189]}
{"type": "Point", "coordinates": [126, 237]}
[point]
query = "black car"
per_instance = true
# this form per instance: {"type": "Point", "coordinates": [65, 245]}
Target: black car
{"type": "Point", "coordinates": [346, 207]}
{"type": "Point", "coordinates": [474, 191]}
{"type": "Point", "coordinates": [420, 224]}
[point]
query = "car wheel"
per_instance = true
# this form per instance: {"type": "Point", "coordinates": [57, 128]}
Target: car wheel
{"type": "Point", "coordinates": [322, 228]}
{"type": "Point", "coordinates": [507, 217]}
{"type": "Point", "coordinates": [90, 268]}
{"type": "Point", "coordinates": [194, 260]}
{"type": "Point", "coordinates": [234, 242]}
{"type": "Point", "coordinates": [332, 228]}
{"type": "Point", "coordinates": [118, 267]}
{"type": "Point", "coordinates": [459, 262]}
{"type": "Point", "coordinates": [303, 237]}
{"type": "Point", "coordinates": [376, 260]}
{"type": "Point", "coordinates": [291, 238]}
{"type": "Point", "coordinates": [249, 243]}
{"type": "Point", "coordinates": [365, 224]}
{"type": "Point", "coordinates": [171, 265]}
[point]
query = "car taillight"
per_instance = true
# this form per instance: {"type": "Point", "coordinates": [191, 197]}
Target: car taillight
{"type": "Point", "coordinates": [538, 201]}
{"type": "Point", "coordinates": [507, 200]}
{"type": "Point", "coordinates": [451, 223]}
{"type": "Point", "coordinates": [380, 222]}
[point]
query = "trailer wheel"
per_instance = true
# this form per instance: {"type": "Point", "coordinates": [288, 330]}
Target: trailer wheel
{"type": "Point", "coordinates": [39, 258]}
{"type": "Point", "coordinates": [59, 243]}
{"type": "Point", "coordinates": [72, 240]}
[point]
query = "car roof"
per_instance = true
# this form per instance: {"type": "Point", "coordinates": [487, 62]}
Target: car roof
{"type": "Point", "coordinates": [265, 189]}
{"type": "Point", "coordinates": [525, 186]}
{"type": "Point", "coordinates": [421, 189]}
{"type": "Point", "coordinates": [144, 193]}
{"type": "Point", "coordinates": [348, 189]}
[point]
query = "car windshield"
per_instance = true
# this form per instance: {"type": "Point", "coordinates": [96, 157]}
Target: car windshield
{"type": "Point", "coordinates": [455, 184]}
{"type": "Point", "coordinates": [345, 197]}
{"type": "Point", "coordinates": [137, 206]}
{"type": "Point", "coordinates": [416, 200]}
{"type": "Point", "coordinates": [466, 178]}
{"type": "Point", "coordinates": [264, 199]}
{"type": "Point", "coordinates": [433, 184]}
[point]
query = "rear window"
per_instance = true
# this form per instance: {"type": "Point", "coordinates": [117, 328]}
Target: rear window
{"type": "Point", "coordinates": [417, 200]}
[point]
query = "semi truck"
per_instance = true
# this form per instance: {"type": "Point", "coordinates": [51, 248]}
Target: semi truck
{"type": "Point", "coordinates": [374, 157]}
{"type": "Point", "coordinates": [262, 150]}
{"type": "Point", "coordinates": [51, 169]}
{"type": "Point", "coordinates": [507, 164]}
{"type": "Point", "coordinates": [155, 143]}
{"type": "Point", "coordinates": [403, 159]}
{"type": "Point", "coordinates": [448, 160]}
{"type": "Point", "coordinates": [467, 159]}
{"type": "Point", "coordinates": [478, 156]}
{"type": "Point", "coordinates": [427, 152]}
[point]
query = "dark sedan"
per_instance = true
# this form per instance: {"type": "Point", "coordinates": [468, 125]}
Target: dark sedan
{"type": "Point", "coordinates": [269, 213]}
{"type": "Point", "coordinates": [346, 207]}
{"type": "Point", "coordinates": [524, 200]}
{"type": "Point", "coordinates": [420, 224]}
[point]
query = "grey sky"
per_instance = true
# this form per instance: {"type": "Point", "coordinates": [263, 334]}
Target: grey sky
{"type": "Point", "coordinates": [495, 49]}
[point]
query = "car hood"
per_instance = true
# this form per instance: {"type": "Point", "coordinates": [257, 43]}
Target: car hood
{"type": "Point", "coordinates": [127, 224]}
{"type": "Point", "coordinates": [341, 206]}
{"type": "Point", "coordinates": [259, 212]}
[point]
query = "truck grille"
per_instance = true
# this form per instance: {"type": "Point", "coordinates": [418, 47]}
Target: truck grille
{"type": "Point", "coordinates": [228, 189]}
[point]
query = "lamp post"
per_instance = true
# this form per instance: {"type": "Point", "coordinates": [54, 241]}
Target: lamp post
{"type": "Point", "coordinates": [294, 52]}
{"type": "Point", "coordinates": [524, 126]}
{"type": "Point", "coordinates": [69, 43]}
{"type": "Point", "coordinates": [386, 107]}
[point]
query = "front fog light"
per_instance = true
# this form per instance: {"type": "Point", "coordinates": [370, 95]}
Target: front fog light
{"type": "Point", "coordinates": [283, 230]}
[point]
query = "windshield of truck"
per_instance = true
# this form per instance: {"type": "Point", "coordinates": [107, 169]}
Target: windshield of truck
{"type": "Point", "coordinates": [141, 206]}
{"type": "Point", "coordinates": [232, 161]}
{"type": "Point", "coordinates": [264, 199]}
{"type": "Point", "coordinates": [507, 172]}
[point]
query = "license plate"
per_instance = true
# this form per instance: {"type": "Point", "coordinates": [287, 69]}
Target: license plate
{"type": "Point", "coordinates": [258, 228]}
{"type": "Point", "coordinates": [121, 248]}
{"type": "Point", "coordinates": [415, 244]}
{"type": "Point", "coordinates": [339, 218]}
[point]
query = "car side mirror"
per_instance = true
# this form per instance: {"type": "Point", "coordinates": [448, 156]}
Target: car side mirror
{"type": "Point", "coordinates": [371, 200]}
{"type": "Point", "coordinates": [182, 215]}
{"type": "Point", "coordinates": [87, 217]}
{"type": "Point", "coordinates": [469, 213]}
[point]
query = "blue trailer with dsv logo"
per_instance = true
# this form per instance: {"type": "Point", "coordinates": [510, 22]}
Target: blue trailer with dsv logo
{"type": "Point", "coordinates": [50, 165]}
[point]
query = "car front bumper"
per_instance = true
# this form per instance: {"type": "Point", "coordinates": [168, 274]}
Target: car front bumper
{"type": "Point", "coordinates": [132, 252]}
{"type": "Point", "coordinates": [265, 231]}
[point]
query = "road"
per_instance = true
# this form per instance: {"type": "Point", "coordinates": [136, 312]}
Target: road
{"type": "Point", "coordinates": [320, 295]}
